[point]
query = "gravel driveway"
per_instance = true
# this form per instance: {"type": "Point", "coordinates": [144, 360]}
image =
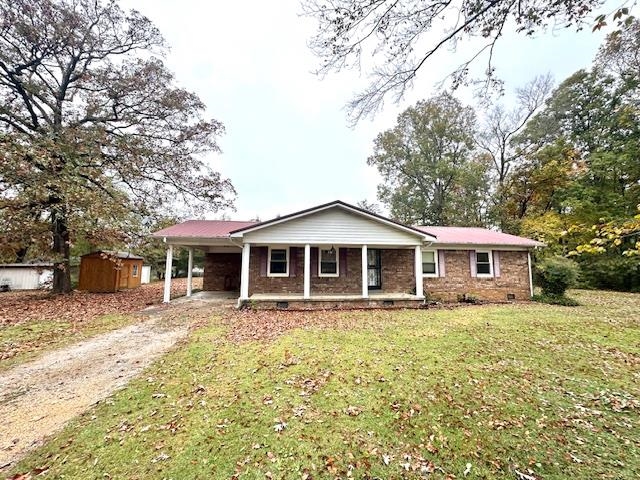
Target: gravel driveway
{"type": "Point", "coordinates": [39, 397]}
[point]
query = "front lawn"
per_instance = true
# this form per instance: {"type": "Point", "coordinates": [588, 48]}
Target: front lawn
{"type": "Point", "coordinates": [517, 392]}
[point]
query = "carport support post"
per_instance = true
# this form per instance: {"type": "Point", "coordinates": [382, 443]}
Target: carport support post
{"type": "Point", "coordinates": [190, 273]}
{"type": "Point", "coordinates": [167, 275]}
{"type": "Point", "coordinates": [530, 274]}
{"type": "Point", "coordinates": [365, 271]}
{"type": "Point", "coordinates": [307, 271]}
{"type": "Point", "coordinates": [418, 269]}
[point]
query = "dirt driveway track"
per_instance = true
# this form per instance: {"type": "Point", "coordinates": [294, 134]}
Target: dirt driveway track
{"type": "Point", "coordinates": [39, 397]}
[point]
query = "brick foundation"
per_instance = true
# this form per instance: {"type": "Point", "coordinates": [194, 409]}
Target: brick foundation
{"type": "Point", "coordinates": [333, 304]}
{"type": "Point", "coordinates": [514, 279]}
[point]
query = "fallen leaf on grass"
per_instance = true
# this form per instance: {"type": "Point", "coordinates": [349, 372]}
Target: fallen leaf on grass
{"type": "Point", "coordinates": [280, 426]}
{"type": "Point", "coordinates": [353, 411]}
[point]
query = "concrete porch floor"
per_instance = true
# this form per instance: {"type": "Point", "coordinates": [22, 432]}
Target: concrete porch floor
{"type": "Point", "coordinates": [208, 296]}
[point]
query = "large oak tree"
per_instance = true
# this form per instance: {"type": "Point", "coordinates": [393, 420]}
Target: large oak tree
{"type": "Point", "coordinates": [430, 173]}
{"type": "Point", "coordinates": [96, 136]}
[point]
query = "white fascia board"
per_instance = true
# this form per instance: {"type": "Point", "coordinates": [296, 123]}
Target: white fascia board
{"type": "Point", "coordinates": [201, 241]}
{"type": "Point", "coordinates": [474, 246]}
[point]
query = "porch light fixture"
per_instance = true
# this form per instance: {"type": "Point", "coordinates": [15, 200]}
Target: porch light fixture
{"type": "Point", "coordinates": [332, 250]}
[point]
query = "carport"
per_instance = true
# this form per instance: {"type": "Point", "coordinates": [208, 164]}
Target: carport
{"type": "Point", "coordinates": [223, 254]}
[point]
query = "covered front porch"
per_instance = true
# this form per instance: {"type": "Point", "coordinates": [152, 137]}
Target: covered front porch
{"type": "Point", "coordinates": [323, 275]}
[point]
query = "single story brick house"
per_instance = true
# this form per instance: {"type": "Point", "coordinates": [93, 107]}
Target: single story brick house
{"type": "Point", "coordinates": [337, 255]}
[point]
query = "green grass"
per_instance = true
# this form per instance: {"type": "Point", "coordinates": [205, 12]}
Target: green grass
{"type": "Point", "coordinates": [548, 391]}
{"type": "Point", "coordinates": [23, 341]}
{"type": "Point", "coordinates": [563, 300]}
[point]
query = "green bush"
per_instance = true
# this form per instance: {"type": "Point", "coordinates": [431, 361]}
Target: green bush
{"type": "Point", "coordinates": [556, 274]}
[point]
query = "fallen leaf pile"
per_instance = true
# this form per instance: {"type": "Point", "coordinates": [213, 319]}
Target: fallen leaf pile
{"type": "Point", "coordinates": [260, 325]}
{"type": "Point", "coordinates": [29, 306]}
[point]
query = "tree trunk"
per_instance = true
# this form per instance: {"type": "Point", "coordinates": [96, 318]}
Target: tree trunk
{"type": "Point", "coordinates": [21, 254]}
{"type": "Point", "coordinates": [61, 271]}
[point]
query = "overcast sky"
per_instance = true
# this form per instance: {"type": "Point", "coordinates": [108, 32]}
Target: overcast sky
{"type": "Point", "coordinates": [287, 144]}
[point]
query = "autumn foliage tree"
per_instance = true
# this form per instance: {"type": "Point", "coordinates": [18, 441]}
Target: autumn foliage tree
{"type": "Point", "coordinates": [430, 175]}
{"type": "Point", "coordinates": [96, 138]}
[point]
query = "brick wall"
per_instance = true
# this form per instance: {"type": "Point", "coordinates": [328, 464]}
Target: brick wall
{"type": "Point", "coordinates": [397, 274]}
{"type": "Point", "coordinates": [397, 271]}
{"type": "Point", "coordinates": [514, 278]}
{"type": "Point", "coordinates": [349, 284]}
{"type": "Point", "coordinates": [222, 271]}
{"type": "Point", "coordinates": [259, 282]}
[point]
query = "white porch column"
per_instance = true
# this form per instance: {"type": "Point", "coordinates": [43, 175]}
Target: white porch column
{"type": "Point", "coordinates": [244, 272]}
{"type": "Point", "coordinates": [190, 273]}
{"type": "Point", "coordinates": [365, 276]}
{"type": "Point", "coordinates": [167, 275]}
{"type": "Point", "coordinates": [418, 269]}
{"type": "Point", "coordinates": [307, 271]}
{"type": "Point", "coordinates": [530, 274]}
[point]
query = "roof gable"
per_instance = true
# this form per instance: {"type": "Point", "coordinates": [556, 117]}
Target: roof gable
{"type": "Point", "coordinates": [355, 212]}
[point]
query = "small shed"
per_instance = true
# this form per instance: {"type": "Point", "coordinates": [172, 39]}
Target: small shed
{"type": "Point", "coordinates": [25, 276]}
{"type": "Point", "coordinates": [146, 274]}
{"type": "Point", "coordinates": [106, 271]}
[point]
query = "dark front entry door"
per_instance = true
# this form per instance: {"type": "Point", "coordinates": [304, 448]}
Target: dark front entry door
{"type": "Point", "coordinates": [374, 269]}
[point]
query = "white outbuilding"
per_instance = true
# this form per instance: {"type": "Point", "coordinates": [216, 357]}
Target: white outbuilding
{"type": "Point", "coordinates": [25, 276]}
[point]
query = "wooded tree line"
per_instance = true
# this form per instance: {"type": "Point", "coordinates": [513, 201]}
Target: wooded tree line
{"type": "Point", "coordinates": [98, 143]}
{"type": "Point", "coordinates": [562, 166]}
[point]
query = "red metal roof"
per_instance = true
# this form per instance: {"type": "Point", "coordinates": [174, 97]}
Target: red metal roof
{"type": "Point", "coordinates": [477, 236]}
{"type": "Point", "coordinates": [203, 229]}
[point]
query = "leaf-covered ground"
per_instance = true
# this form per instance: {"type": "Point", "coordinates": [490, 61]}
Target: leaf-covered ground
{"type": "Point", "coordinates": [31, 321]}
{"type": "Point", "coordinates": [515, 391]}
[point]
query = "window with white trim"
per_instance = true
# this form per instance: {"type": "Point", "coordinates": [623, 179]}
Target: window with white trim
{"type": "Point", "coordinates": [134, 272]}
{"type": "Point", "coordinates": [429, 263]}
{"type": "Point", "coordinates": [278, 262]}
{"type": "Point", "coordinates": [484, 263]}
{"type": "Point", "coordinates": [328, 262]}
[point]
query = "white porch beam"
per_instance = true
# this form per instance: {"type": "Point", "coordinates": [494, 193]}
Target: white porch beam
{"type": "Point", "coordinates": [167, 275]}
{"type": "Point", "coordinates": [190, 273]}
{"type": "Point", "coordinates": [418, 269]}
{"type": "Point", "coordinates": [365, 276]}
{"type": "Point", "coordinates": [307, 271]}
{"type": "Point", "coordinates": [244, 272]}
